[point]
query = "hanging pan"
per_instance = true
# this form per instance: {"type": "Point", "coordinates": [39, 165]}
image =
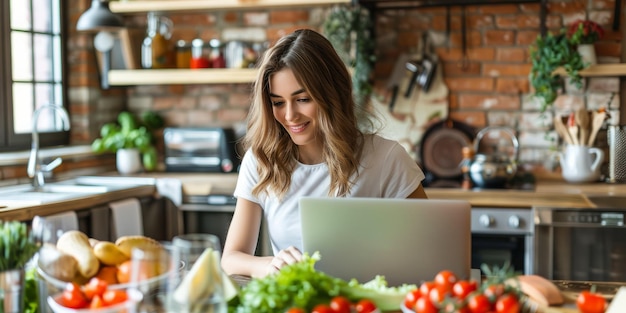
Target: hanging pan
{"type": "Point", "coordinates": [440, 149]}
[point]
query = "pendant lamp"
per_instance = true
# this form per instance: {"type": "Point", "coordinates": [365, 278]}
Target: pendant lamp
{"type": "Point", "coordinates": [99, 17]}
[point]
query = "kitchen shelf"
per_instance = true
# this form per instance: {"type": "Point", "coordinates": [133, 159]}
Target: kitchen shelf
{"type": "Point", "coordinates": [600, 70]}
{"type": "Point", "coordinates": [140, 6]}
{"type": "Point", "coordinates": [181, 76]}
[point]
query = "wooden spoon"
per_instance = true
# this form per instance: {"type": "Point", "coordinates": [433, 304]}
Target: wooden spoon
{"type": "Point", "coordinates": [560, 128]}
{"type": "Point", "coordinates": [597, 119]}
{"type": "Point", "coordinates": [583, 122]}
{"type": "Point", "coordinates": [573, 129]}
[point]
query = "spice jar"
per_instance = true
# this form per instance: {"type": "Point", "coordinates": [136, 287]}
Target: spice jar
{"type": "Point", "coordinates": [183, 54]}
{"type": "Point", "coordinates": [155, 51]}
{"type": "Point", "coordinates": [199, 57]}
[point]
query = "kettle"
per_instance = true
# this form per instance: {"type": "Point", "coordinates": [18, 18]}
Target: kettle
{"type": "Point", "coordinates": [495, 170]}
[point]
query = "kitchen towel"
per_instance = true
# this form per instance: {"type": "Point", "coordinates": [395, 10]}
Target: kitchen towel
{"type": "Point", "coordinates": [51, 227]}
{"type": "Point", "coordinates": [170, 188]}
{"type": "Point", "coordinates": [126, 217]}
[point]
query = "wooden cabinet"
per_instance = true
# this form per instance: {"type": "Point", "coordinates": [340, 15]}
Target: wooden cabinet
{"type": "Point", "coordinates": [197, 76]}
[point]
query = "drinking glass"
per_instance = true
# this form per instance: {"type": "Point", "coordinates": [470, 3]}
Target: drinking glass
{"type": "Point", "coordinates": [175, 278]}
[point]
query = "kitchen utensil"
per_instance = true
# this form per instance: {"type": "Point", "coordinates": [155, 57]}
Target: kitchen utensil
{"type": "Point", "coordinates": [560, 128]}
{"type": "Point", "coordinates": [572, 128]}
{"type": "Point", "coordinates": [617, 153]}
{"type": "Point", "coordinates": [580, 163]}
{"type": "Point", "coordinates": [597, 119]}
{"type": "Point", "coordinates": [441, 150]}
{"type": "Point", "coordinates": [583, 122]}
{"type": "Point", "coordinates": [495, 170]}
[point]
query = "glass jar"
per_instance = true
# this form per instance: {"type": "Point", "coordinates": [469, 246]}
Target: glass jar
{"type": "Point", "coordinates": [183, 54]}
{"type": "Point", "coordinates": [155, 52]}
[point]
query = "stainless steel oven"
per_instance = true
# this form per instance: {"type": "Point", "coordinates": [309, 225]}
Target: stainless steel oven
{"type": "Point", "coordinates": [580, 244]}
{"type": "Point", "coordinates": [503, 235]}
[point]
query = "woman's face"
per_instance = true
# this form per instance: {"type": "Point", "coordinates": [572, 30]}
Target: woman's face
{"type": "Point", "coordinates": [294, 109]}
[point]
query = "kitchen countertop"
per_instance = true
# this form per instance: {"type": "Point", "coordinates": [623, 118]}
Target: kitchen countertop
{"type": "Point", "coordinates": [550, 193]}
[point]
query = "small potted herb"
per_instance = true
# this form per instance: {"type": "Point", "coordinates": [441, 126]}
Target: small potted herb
{"type": "Point", "coordinates": [17, 247]}
{"type": "Point", "coordinates": [583, 34]}
{"type": "Point", "coordinates": [549, 53]}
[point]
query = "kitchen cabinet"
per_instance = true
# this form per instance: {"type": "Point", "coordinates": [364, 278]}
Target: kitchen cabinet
{"type": "Point", "coordinates": [197, 76]}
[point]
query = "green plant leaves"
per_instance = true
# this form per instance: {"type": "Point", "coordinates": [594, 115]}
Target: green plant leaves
{"type": "Point", "coordinates": [16, 245]}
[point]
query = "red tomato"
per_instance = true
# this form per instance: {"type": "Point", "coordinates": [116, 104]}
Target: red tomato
{"type": "Point", "coordinates": [322, 308]}
{"type": "Point", "coordinates": [424, 305]}
{"type": "Point", "coordinates": [445, 280]}
{"type": "Point", "coordinates": [493, 292]}
{"type": "Point", "coordinates": [73, 297]}
{"type": "Point", "coordinates": [462, 288]}
{"type": "Point", "coordinates": [426, 287]}
{"type": "Point", "coordinates": [296, 310]}
{"type": "Point", "coordinates": [479, 303]}
{"type": "Point", "coordinates": [112, 297]}
{"type": "Point", "coordinates": [437, 295]}
{"type": "Point", "coordinates": [365, 306]}
{"type": "Point", "coordinates": [95, 287]}
{"type": "Point", "coordinates": [590, 302]}
{"type": "Point", "coordinates": [96, 302]}
{"type": "Point", "coordinates": [411, 297]}
{"type": "Point", "coordinates": [340, 304]}
{"type": "Point", "coordinates": [507, 303]}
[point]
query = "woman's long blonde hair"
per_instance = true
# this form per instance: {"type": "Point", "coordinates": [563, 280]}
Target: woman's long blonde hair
{"type": "Point", "coordinates": [323, 75]}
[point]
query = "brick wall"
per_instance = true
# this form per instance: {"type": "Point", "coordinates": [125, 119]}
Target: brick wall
{"type": "Point", "coordinates": [492, 90]}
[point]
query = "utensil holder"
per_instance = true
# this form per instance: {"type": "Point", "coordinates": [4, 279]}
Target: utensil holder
{"type": "Point", "coordinates": [12, 291]}
{"type": "Point", "coordinates": [617, 153]}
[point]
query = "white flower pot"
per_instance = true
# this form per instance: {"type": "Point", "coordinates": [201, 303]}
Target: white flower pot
{"type": "Point", "coordinates": [588, 53]}
{"type": "Point", "coordinates": [128, 161]}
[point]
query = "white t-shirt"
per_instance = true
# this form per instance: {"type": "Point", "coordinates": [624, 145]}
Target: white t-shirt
{"type": "Point", "coordinates": [386, 171]}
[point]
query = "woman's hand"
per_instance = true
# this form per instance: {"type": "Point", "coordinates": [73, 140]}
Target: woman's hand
{"type": "Point", "coordinates": [284, 257]}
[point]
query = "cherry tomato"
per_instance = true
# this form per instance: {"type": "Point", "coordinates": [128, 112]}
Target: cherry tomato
{"type": "Point", "coordinates": [73, 297]}
{"type": "Point", "coordinates": [426, 287]}
{"type": "Point", "coordinates": [437, 295]}
{"type": "Point", "coordinates": [590, 302]}
{"type": "Point", "coordinates": [445, 279]}
{"type": "Point", "coordinates": [507, 303]}
{"type": "Point", "coordinates": [478, 303]}
{"type": "Point", "coordinates": [462, 288]}
{"type": "Point", "coordinates": [322, 308]}
{"type": "Point", "coordinates": [296, 310]}
{"type": "Point", "coordinates": [111, 297]}
{"type": "Point", "coordinates": [96, 302]}
{"type": "Point", "coordinates": [95, 287]}
{"type": "Point", "coordinates": [340, 304]}
{"type": "Point", "coordinates": [411, 297]}
{"type": "Point", "coordinates": [493, 292]}
{"type": "Point", "coordinates": [424, 305]}
{"type": "Point", "coordinates": [365, 306]}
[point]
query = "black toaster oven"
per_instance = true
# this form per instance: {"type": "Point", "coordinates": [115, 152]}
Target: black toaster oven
{"type": "Point", "coordinates": [210, 149]}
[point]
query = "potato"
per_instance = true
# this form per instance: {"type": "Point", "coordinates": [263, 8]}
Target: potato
{"type": "Point", "coordinates": [127, 243]}
{"type": "Point", "coordinates": [76, 244]}
{"type": "Point", "coordinates": [57, 264]}
{"type": "Point", "coordinates": [109, 254]}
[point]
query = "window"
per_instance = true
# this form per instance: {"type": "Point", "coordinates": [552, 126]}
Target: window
{"type": "Point", "coordinates": [31, 74]}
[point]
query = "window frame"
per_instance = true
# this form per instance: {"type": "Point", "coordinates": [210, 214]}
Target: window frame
{"type": "Point", "coordinates": [9, 140]}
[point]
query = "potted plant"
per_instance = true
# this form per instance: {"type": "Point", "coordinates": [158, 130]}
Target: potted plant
{"type": "Point", "coordinates": [549, 53]}
{"type": "Point", "coordinates": [17, 247]}
{"type": "Point", "coordinates": [583, 34]}
{"type": "Point", "coordinates": [130, 138]}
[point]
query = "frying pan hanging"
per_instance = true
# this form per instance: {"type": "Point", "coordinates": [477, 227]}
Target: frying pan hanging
{"type": "Point", "coordinates": [440, 149]}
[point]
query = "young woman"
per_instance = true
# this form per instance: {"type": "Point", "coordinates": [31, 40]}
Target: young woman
{"type": "Point", "coordinates": [303, 139]}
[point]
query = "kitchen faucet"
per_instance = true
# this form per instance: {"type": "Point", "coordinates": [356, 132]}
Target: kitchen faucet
{"type": "Point", "coordinates": [36, 169]}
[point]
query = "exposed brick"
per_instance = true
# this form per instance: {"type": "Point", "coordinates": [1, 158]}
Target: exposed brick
{"type": "Point", "coordinates": [499, 37]}
{"type": "Point", "coordinates": [289, 17]}
{"type": "Point", "coordinates": [498, 70]}
{"type": "Point", "coordinates": [511, 54]}
{"type": "Point", "coordinates": [512, 85]}
{"type": "Point", "coordinates": [256, 18]}
{"type": "Point", "coordinates": [501, 9]}
{"type": "Point", "coordinates": [488, 102]}
{"type": "Point", "coordinates": [232, 115]}
{"type": "Point", "coordinates": [475, 119]}
{"type": "Point", "coordinates": [454, 69]}
{"type": "Point", "coordinates": [470, 84]}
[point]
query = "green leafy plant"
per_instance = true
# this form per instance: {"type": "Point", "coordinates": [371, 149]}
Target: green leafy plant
{"type": "Point", "coordinates": [17, 247]}
{"type": "Point", "coordinates": [549, 53]}
{"type": "Point", "coordinates": [131, 133]}
{"type": "Point", "coordinates": [350, 30]}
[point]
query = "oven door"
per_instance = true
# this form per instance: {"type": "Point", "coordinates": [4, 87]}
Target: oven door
{"type": "Point", "coordinates": [503, 236]}
{"type": "Point", "coordinates": [581, 244]}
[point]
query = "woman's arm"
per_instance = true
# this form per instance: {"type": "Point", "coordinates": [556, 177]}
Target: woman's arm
{"type": "Point", "coordinates": [418, 193]}
{"type": "Point", "coordinates": [241, 241]}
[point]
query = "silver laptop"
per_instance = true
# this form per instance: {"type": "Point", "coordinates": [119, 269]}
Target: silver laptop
{"type": "Point", "coordinates": [405, 240]}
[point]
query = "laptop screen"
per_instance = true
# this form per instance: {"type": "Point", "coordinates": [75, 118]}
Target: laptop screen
{"type": "Point", "coordinates": [405, 240]}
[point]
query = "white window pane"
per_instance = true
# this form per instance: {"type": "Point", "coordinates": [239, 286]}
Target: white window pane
{"type": "Point", "coordinates": [43, 58]}
{"type": "Point", "coordinates": [43, 94]}
{"type": "Point", "coordinates": [49, 121]}
{"type": "Point", "coordinates": [58, 94]}
{"type": "Point", "coordinates": [57, 70]}
{"type": "Point", "coordinates": [20, 15]}
{"type": "Point", "coordinates": [42, 18]}
{"type": "Point", "coordinates": [21, 54]}
{"type": "Point", "coordinates": [22, 107]}
{"type": "Point", "coordinates": [56, 17]}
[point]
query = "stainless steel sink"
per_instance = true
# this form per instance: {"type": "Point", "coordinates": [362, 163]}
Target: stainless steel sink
{"type": "Point", "coordinates": [608, 201]}
{"type": "Point", "coordinates": [65, 190]}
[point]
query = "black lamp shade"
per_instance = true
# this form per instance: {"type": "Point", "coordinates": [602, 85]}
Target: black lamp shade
{"type": "Point", "coordinates": [99, 17]}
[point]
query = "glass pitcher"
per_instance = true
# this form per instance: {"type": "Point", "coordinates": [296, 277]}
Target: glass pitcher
{"type": "Point", "coordinates": [155, 50]}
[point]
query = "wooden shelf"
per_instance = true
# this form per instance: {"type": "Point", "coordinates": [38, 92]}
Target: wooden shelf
{"type": "Point", "coordinates": [140, 6]}
{"type": "Point", "coordinates": [181, 76]}
{"type": "Point", "coordinates": [600, 70]}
